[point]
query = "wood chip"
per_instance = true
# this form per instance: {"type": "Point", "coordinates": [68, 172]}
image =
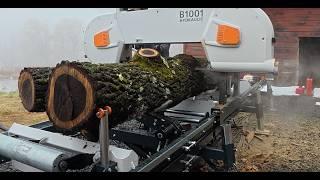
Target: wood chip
{"type": "Point", "coordinates": [262, 133]}
{"type": "Point", "coordinates": [3, 128]}
{"type": "Point", "coordinates": [259, 155]}
{"type": "Point", "coordinates": [245, 132]}
{"type": "Point", "coordinates": [260, 138]}
{"type": "Point", "coordinates": [240, 145]}
{"type": "Point", "coordinates": [250, 136]}
{"type": "Point", "coordinates": [297, 144]}
{"type": "Point", "coordinates": [251, 168]}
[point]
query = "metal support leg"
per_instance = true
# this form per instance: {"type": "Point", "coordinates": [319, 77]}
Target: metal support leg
{"type": "Point", "coordinates": [259, 115]}
{"type": "Point", "coordinates": [227, 153]}
{"type": "Point", "coordinates": [228, 146]}
{"type": "Point", "coordinates": [236, 86]}
{"type": "Point", "coordinates": [269, 92]}
{"type": "Point", "coordinates": [259, 111]}
{"type": "Point", "coordinates": [229, 84]}
{"type": "Point", "coordinates": [223, 89]}
{"type": "Point", "coordinates": [104, 140]}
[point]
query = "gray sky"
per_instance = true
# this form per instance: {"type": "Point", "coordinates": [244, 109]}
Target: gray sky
{"type": "Point", "coordinates": [12, 19]}
{"type": "Point", "coordinates": [13, 28]}
{"type": "Point", "coordinates": [20, 46]}
{"type": "Point", "coordinates": [15, 16]}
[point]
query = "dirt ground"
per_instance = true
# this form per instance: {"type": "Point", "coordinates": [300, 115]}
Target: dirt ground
{"type": "Point", "coordinates": [12, 110]}
{"type": "Point", "coordinates": [293, 143]}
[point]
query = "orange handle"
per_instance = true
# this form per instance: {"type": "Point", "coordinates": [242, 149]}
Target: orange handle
{"type": "Point", "coordinates": [108, 108]}
{"type": "Point", "coordinates": [102, 112]}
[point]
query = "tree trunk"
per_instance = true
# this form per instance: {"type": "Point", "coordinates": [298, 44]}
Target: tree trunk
{"type": "Point", "coordinates": [78, 89]}
{"type": "Point", "coordinates": [32, 85]}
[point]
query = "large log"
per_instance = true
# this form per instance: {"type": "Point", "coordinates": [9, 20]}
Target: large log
{"type": "Point", "coordinates": [32, 85]}
{"type": "Point", "coordinates": [77, 89]}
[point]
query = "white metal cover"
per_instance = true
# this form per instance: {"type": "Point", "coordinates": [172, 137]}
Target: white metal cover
{"type": "Point", "coordinates": [125, 159]}
{"type": "Point", "coordinates": [183, 25]}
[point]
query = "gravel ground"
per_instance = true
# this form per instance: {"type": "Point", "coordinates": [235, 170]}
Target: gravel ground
{"type": "Point", "coordinates": [293, 144]}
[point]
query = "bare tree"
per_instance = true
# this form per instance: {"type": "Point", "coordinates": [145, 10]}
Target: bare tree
{"type": "Point", "coordinates": [67, 39]}
{"type": "Point", "coordinates": [34, 44]}
{"type": "Point", "coordinates": [38, 46]}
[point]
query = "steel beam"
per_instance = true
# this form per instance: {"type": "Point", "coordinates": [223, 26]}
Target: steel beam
{"type": "Point", "coordinates": [177, 144]}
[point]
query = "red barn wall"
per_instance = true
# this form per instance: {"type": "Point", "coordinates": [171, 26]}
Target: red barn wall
{"type": "Point", "coordinates": [290, 24]}
{"type": "Point", "coordinates": [194, 49]}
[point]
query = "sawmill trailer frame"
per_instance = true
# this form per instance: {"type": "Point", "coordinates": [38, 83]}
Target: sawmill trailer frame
{"type": "Point", "coordinates": [172, 138]}
{"type": "Point", "coordinates": [197, 140]}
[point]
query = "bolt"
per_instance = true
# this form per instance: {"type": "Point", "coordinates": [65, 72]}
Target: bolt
{"type": "Point", "coordinates": [63, 165]}
{"type": "Point", "coordinates": [160, 135]}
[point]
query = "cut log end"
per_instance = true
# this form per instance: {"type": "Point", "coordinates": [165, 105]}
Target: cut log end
{"type": "Point", "coordinates": [70, 97]}
{"type": "Point", "coordinates": [32, 85]}
{"type": "Point", "coordinates": [26, 90]}
{"type": "Point", "coordinates": [148, 53]}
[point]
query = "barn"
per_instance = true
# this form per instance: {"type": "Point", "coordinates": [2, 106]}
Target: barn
{"type": "Point", "coordinates": [297, 47]}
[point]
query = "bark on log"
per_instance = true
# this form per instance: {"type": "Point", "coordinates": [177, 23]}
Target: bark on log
{"type": "Point", "coordinates": [33, 85]}
{"type": "Point", "coordinates": [77, 89]}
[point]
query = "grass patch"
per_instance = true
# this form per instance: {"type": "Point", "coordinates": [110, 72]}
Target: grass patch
{"type": "Point", "coordinates": [9, 94]}
{"type": "Point", "coordinates": [12, 110]}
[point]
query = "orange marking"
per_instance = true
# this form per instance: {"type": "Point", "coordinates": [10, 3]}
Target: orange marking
{"type": "Point", "coordinates": [102, 112]}
{"type": "Point", "coordinates": [102, 39]}
{"type": "Point", "coordinates": [228, 35]}
{"type": "Point", "coordinates": [108, 108]}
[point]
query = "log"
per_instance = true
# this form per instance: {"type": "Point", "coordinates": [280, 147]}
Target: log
{"type": "Point", "coordinates": [33, 85]}
{"type": "Point", "coordinates": [77, 89]}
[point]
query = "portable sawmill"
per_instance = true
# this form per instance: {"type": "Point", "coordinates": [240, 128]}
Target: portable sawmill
{"type": "Point", "coordinates": [179, 134]}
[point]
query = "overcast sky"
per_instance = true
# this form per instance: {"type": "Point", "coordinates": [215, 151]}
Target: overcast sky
{"type": "Point", "coordinates": [12, 19]}
{"type": "Point", "coordinates": [16, 48]}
